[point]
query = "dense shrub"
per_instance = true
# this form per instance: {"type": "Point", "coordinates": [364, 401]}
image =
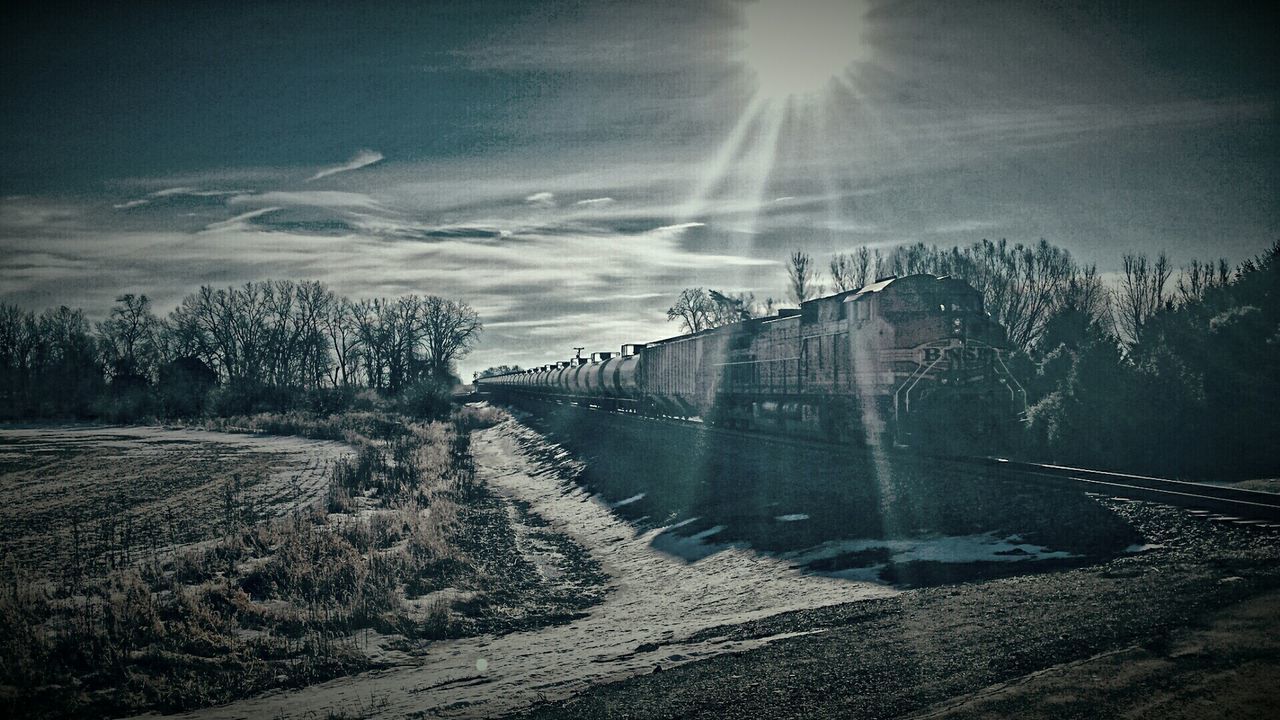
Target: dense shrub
{"type": "Point", "coordinates": [1195, 395]}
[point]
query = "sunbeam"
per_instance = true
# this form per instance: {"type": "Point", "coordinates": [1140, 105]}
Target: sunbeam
{"type": "Point", "coordinates": [799, 56]}
{"type": "Point", "coordinates": [715, 169]}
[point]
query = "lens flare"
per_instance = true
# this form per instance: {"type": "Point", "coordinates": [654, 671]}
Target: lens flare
{"type": "Point", "coordinates": [798, 48]}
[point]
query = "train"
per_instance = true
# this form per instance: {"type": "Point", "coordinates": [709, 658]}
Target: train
{"type": "Point", "coordinates": [908, 361]}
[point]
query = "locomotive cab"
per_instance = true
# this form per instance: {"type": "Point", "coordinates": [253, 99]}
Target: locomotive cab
{"type": "Point", "coordinates": [952, 387]}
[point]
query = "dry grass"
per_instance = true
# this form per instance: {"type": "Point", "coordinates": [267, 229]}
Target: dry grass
{"type": "Point", "coordinates": [274, 603]}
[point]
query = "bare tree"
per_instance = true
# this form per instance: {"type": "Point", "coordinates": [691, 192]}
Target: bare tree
{"type": "Point", "coordinates": [862, 265]}
{"type": "Point", "coordinates": [367, 316]}
{"type": "Point", "coordinates": [1142, 293]}
{"type": "Point", "coordinates": [449, 330]}
{"type": "Point", "coordinates": [852, 271]}
{"type": "Point", "coordinates": [262, 333]}
{"type": "Point", "coordinates": [843, 274]}
{"type": "Point", "coordinates": [341, 328]}
{"type": "Point", "coordinates": [803, 277]}
{"type": "Point", "coordinates": [1086, 293]}
{"type": "Point", "coordinates": [19, 339]}
{"type": "Point", "coordinates": [128, 338]}
{"type": "Point", "coordinates": [400, 319]}
{"type": "Point", "coordinates": [1200, 277]}
{"type": "Point", "coordinates": [694, 308]}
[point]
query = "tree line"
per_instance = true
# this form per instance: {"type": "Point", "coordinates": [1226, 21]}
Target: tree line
{"type": "Point", "coordinates": [275, 344]}
{"type": "Point", "coordinates": [1183, 379]}
{"type": "Point", "coordinates": [1022, 286]}
{"type": "Point", "coordinates": [1165, 370]}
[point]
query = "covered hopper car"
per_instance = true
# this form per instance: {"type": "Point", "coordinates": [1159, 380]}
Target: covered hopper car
{"type": "Point", "coordinates": [913, 360]}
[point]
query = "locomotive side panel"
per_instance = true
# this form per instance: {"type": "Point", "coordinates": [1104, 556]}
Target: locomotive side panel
{"type": "Point", "coordinates": [775, 358]}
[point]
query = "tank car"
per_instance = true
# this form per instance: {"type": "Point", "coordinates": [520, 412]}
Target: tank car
{"type": "Point", "coordinates": [913, 361]}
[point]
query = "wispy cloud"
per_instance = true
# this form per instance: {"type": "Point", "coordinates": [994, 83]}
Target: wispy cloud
{"type": "Point", "coordinates": [174, 192]}
{"type": "Point", "coordinates": [596, 202]}
{"type": "Point", "coordinates": [681, 226]}
{"type": "Point", "coordinates": [363, 158]}
{"type": "Point", "coordinates": [193, 192]}
{"type": "Point", "coordinates": [239, 222]}
{"type": "Point", "coordinates": [309, 198]}
{"type": "Point", "coordinates": [964, 226]}
{"type": "Point", "coordinates": [541, 200]}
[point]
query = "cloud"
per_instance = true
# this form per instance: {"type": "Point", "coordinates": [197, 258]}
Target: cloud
{"type": "Point", "coordinates": [239, 222]}
{"type": "Point", "coordinates": [174, 192]}
{"type": "Point", "coordinates": [681, 226]}
{"type": "Point", "coordinates": [541, 200]}
{"type": "Point", "coordinates": [596, 202]}
{"type": "Point", "coordinates": [170, 192]}
{"type": "Point", "coordinates": [311, 198]}
{"type": "Point", "coordinates": [542, 289]}
{"type": "Point", "coordinates": [24, 213]}
{"type": "Point", "coordinates": [964, 226]}
{"type": "Point", "coordinates": [363, 158]}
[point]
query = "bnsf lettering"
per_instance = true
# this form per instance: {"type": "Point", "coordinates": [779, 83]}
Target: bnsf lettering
{"type": "Point", "coordinates": [959, 357]}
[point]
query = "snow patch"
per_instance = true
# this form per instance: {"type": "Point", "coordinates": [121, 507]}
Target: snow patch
{"type": "Point", "coordinates": [629, 500]}
{"type": "Point", "coordinates": [984, 547]}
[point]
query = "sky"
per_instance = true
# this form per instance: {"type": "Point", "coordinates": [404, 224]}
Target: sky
{"type": "Point", "coordinates": [567, 167]}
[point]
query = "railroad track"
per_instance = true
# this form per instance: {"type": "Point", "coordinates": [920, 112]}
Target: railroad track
{"type": "Point", "coordinates": [1232, 503]}
{"type": "Point", "coordinates": [1225, 502]}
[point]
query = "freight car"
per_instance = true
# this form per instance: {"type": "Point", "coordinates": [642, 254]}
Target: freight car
{"type": "Point", "coordinates": [913, 360]}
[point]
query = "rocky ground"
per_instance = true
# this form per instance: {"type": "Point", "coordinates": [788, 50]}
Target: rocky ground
{"type": "Point", "coordinates": [1187, 629]}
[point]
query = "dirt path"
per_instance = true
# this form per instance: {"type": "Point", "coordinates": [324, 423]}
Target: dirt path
{"type": "Point", "coordinates": [656, 603]}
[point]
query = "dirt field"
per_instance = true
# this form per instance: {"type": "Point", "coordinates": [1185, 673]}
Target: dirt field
{"type": "Point", "coordinates": [97, 498]}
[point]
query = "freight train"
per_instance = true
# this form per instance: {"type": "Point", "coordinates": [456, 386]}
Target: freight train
{"type": "Point", "coordinates": [913, 360]}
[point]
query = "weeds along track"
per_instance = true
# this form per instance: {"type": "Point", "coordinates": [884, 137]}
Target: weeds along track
{"type": "Point", "coordinates": [85, 499]}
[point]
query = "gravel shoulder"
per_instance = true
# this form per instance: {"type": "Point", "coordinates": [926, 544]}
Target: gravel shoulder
{"type": "Point", "coordinates": [1226, 666]}
{"type": "Point", "coordinates": [1021, 646]}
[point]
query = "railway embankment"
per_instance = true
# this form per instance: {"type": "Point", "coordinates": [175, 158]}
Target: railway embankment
{"type": "Point", "coordinates": [1181, 630]}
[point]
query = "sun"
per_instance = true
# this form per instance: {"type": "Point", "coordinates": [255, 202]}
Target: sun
{"type": "Point", "coordinates": [796, 53]}
{"type": "Point", "coordinates": [798, 48]}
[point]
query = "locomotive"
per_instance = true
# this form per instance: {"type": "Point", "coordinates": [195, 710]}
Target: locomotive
{"type": "Point", "coordinates": [913, 360]}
